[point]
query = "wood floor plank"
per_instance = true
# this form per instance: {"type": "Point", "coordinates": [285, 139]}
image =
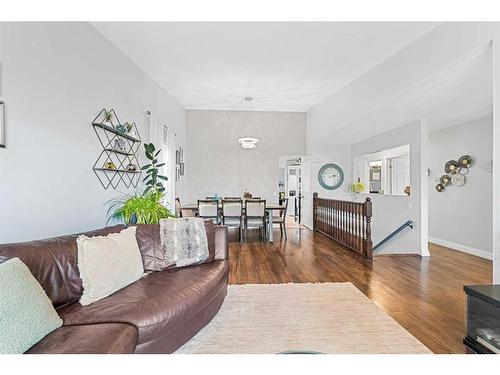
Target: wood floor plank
{"type": "Point", "coordinates": [424, 295]}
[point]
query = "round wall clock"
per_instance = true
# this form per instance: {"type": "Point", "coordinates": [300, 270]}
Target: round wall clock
{"type": "Point", "coordinates": [330, 176]}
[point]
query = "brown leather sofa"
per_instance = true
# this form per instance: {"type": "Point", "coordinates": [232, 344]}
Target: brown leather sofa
{"type": "Point", "coordinates": [156, 314]}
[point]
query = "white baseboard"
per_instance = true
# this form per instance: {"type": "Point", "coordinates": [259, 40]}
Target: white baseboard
{"type": "Point", "coordinates": [462, 248]}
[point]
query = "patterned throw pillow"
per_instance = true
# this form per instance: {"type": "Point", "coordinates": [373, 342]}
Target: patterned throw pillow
{"type": "Point", "coordinates": [26, 313]}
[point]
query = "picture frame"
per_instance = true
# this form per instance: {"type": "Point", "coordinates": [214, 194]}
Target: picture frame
{"type": "Point", "coordinates": [2, 124]}
{"type": "Point", "coordinates": [181, 153]}
{"type": "Point", "coordinates": [177, 174]}
{"type": "Point", "coordinates": [181, 168]}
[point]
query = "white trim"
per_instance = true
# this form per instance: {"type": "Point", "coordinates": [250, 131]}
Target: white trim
{"type": "Point", "coordinates": [463, 248]}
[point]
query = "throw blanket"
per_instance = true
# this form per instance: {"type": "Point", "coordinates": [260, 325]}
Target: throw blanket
{"type": "Point", "coordinates": [184, 241]}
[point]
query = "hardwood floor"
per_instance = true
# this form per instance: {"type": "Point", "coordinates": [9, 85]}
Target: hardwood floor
{"type": "Point", "coordinates": [424, 295]}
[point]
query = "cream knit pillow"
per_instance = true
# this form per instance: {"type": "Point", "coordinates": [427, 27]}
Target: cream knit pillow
{"type": "Point", "coordinates": [108, 264]}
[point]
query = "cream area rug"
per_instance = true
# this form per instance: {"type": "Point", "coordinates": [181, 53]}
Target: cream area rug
{"type": "Point", "coordinates": [328, 318]}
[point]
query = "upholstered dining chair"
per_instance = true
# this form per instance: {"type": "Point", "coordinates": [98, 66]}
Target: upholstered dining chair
{"type": "Point", "coordinates": [279, 217]}
{"type": "Point", "coordinates": [209, 209]}
{"type": "Point", "coordinates": [255, 216]}
{"type": "Point", "coordinates": [180, 211]}
{"type": "Point", "coordinates": [232, 214]}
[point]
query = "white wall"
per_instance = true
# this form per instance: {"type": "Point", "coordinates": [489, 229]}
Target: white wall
{"type": "Point", "coordinates": [55, 78]}
{"type": "Point", "coordinates": [218, 165]}
{"type": "Point", "coordinates": [461, 217]}
{"type": "Point", "coordinates": [390, 211]}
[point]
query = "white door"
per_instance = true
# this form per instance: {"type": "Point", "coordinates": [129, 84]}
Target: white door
{"type": "Point", "coordinates": [399, 174]}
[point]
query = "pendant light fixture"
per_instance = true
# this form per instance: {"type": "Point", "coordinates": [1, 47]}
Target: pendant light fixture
{"type": "Point", "coordinates": [248, 143]}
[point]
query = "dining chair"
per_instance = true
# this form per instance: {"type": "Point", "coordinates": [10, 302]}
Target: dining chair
{"type": "Point", "coordinates": [255, 216]}
{"type": "Point", "coordinates": [209, 209]}
{"type": "Point", "coordinates": [180, 211]}
{"type": "Point", "coordinates": [232, 214]}
{"type": "Point", "coordinates": [279, 217]}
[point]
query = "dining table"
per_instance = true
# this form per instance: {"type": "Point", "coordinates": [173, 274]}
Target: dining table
{"type": "Point", "coordinates": [270, 207]}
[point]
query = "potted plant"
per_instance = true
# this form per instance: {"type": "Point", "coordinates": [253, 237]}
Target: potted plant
{"type": "Point", "coordinates": [145, 208]}
{"type": "Point", "coordinates": [356, 188]}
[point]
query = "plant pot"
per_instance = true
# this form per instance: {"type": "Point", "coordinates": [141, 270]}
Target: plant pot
{"type": "Point", "coordinates": [133, 219]}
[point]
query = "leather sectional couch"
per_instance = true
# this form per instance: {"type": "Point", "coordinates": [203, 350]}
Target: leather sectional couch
{"type": "Point", "coordinates": [156, 314]}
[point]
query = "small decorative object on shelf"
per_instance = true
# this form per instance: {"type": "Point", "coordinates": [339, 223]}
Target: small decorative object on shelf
{"type": "Point", "coordinates": [120, 145]}
{"type": "Point", "coordinates": [109, 165]}
{"type": "Point", "coordinates": [407, 190]}
{"type": "Point", "coordinates": [247, 195]}
{"type": "Point", "coordinates": [118, 157]}
{"type": "Point", "coordinates": [131, 167]}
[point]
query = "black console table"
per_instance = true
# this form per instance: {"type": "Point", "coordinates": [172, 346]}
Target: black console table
{"type": "Point", "coordinates": [483, 319]}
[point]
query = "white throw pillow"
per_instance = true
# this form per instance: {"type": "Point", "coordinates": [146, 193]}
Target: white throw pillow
{"type": "Point", "coordinates": [108, 264]}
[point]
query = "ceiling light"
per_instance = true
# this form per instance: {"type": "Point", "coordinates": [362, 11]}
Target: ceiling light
{"type": "Point", "coordinates": [248, 143]}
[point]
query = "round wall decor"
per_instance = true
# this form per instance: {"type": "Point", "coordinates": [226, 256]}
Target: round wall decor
{"type": "Point", "coordinates": [440, 187]}
{"type": "Point", "coordinates": [330, 176]}
{"type": "Point", "coordinates": [445, 180]}
{"type": "Point", "coordinates": [458, 180]}
{"type": "Point", "coordinates": [451, 166]}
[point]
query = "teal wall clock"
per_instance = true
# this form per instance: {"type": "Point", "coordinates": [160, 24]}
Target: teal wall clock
{"type": "Point", "coordinates": [330, 176]}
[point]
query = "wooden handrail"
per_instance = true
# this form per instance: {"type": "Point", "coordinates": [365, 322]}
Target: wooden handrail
{"type": "Point", "coordinates": [348, 223]}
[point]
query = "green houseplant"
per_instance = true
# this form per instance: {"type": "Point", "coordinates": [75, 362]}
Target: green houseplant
{"type": "Point", "coordinates": [145, 208]}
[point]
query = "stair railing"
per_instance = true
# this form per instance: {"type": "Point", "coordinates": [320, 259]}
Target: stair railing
{"type": "Point", "coordinates": [348, 223]}
{"type": "Point", "coordinates": [408, 224]}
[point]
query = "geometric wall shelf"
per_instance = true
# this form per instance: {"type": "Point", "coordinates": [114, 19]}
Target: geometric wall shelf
{"type": "Point", "coordinates": [117, 163]}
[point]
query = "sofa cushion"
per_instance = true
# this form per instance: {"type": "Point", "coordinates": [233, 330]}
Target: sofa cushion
{"type": "Point", "coordinates": [108, 263]}
{"type": "Point", "coordinates": [26, 313]}
{"type": "Point", "coordinates": [114, 338]}
{"type": "Point", "coordinates": [53, 263]}
{"type": "Point", "coordinates": [157, 303]}
{"type": "Point", "coordinates": [148, 239]}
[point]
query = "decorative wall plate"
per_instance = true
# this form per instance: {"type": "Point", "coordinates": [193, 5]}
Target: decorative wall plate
{"type": "Point", "coordinates": [458, 180]}
{"type": "Point", "coordinates": [451, 166]}
{"type": "Point", "coordinates": [463, 171]}
{"type": "Point", "coordinates": [465, 161]}
{"type": "Point", "coordinates": [440, 188]}
{"type": "Point", "coordinates": [445, 180]}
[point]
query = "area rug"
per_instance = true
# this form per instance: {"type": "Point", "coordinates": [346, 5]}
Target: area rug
{"type": "Point", "coordinates": [333, 318]}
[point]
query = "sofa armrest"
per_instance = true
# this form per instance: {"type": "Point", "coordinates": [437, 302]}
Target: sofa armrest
{"type": "Point", "coordinates": [221, 242]}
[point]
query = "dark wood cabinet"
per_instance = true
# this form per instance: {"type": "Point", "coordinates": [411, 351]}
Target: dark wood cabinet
{"type": "Point", "coordinates": [483, 319]}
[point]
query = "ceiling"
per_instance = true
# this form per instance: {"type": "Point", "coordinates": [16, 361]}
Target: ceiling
{"type": "Point", "coordinates": [459, 92]}
{"type": "Point", "coordinates": [284, 66]}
